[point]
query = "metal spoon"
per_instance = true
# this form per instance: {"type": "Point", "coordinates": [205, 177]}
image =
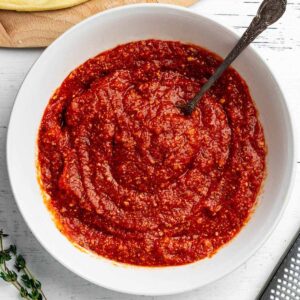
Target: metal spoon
{"type": "Point", "coordinates": [268, 13]}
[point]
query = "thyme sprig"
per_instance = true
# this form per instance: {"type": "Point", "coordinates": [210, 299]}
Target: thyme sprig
{"type": "Point", "coordinates": [20, 277]}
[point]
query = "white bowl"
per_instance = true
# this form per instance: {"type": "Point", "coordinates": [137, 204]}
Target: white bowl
{"type": "Point", "coordinates": [102, 32]}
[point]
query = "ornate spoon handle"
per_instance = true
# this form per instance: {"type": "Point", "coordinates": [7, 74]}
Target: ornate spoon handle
{"type": "Point", "coordinates": [268, 13]}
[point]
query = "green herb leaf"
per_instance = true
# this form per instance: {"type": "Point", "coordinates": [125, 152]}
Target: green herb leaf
{"type": "Point", "coordinates": [4, 256]}
{"type": "Point", "coordinates": [20, 263]}
{"type": "Point", "coordinates": [9, 276]}
{"type": "Point", "coordinates": [23, 292]}
{"type": "Point", "coordinates": [3, 234]}
{"type": "Point", "coordinates": [13, 249]}
{"type": "Point", "coordinates": [29, 288]}
{"type": "Point", "coordinates": [36, 295]}
{"type": "Point", "coordinates": [37, 284]}
{"type": "Point", "coordinates": [26, 281]}
{"type": "Point", "coordinates": [2, 275]}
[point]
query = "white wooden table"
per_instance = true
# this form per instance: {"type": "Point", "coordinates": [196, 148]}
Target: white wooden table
{"type": "Point", "coordinates": [280, 47]}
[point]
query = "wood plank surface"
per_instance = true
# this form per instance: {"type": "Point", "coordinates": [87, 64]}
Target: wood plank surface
{"type": "Point", "coordinates": [39, 29]}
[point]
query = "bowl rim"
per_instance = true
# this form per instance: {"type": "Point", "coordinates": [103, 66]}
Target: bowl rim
{"type": "Point", "coordinates": [289, 121]}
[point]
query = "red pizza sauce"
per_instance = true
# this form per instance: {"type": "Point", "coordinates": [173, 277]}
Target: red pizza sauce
{"type": "Point", "coordinates": [131, 178]}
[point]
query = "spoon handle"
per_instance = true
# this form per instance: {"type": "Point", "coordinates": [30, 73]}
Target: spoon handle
{"type": "Point", "coordinates": [268, 13]}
